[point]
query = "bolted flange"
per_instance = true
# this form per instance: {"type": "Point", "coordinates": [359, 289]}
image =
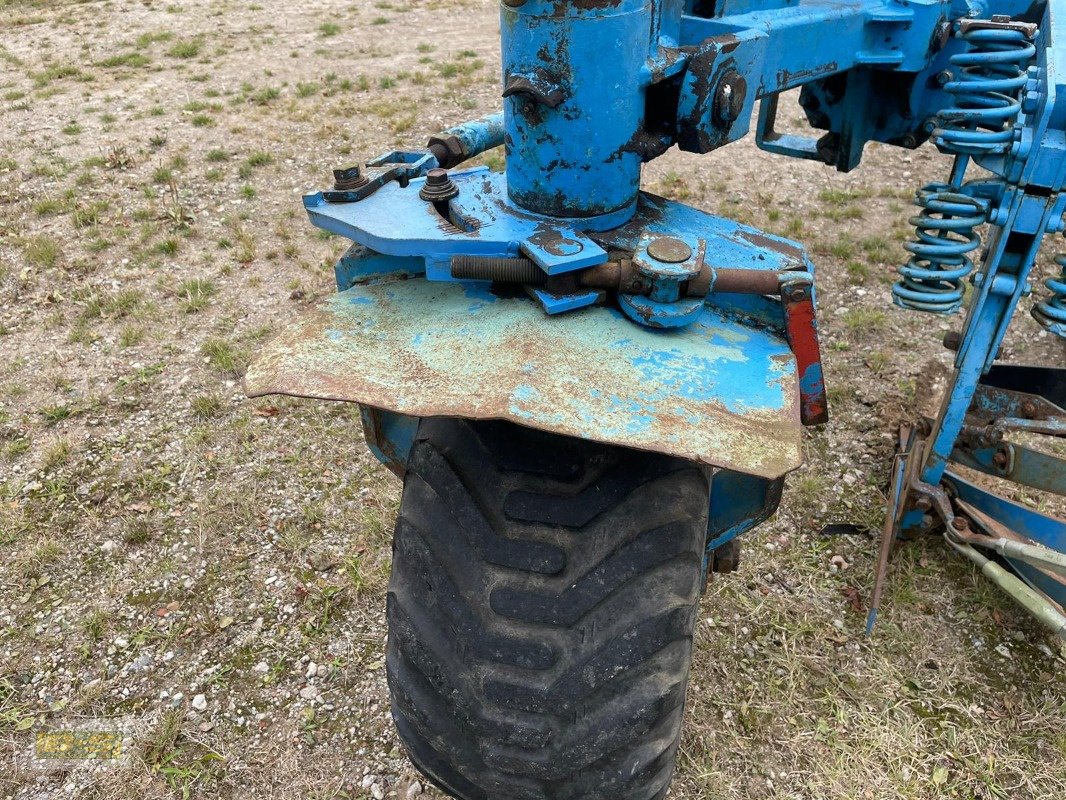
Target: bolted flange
{"type": "Point", "coordinates": [438, 187]}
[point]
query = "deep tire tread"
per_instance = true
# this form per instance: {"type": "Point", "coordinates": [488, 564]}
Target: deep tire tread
{"type": "Point", "coordinates": [540, 611]}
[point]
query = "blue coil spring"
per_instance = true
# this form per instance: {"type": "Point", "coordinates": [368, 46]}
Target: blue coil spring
{"type": "Point", "coordinates": [1051, 313]}
{"type": "Point", "coordinates": [932, 280]}
{"type": "Point", "coordinates": [986, 83]}
{"type": "Point", "coordinates": [989, 77]}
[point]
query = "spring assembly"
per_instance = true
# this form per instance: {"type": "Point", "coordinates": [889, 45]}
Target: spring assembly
{"type": "Point", "coordinates": [988, 78]}
{"type": "Point", "coordinates": [1051, 313]}
{"type": "Point", "coordinates": [945, 235]}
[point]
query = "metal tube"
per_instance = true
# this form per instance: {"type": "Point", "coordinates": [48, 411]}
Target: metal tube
{"type": "Point", "coordinates": [1041, 609]}
{"type": "Point", "coordinates": [1036, 555]}
{"type": "Point", "coordinates": [747, 281]}
{"type": "Point", "coordinates": [1033, 554]}
{"type": "Point", "coordinates": [575, 76]}
{"type": "Point", "coordinates": [462, 142]}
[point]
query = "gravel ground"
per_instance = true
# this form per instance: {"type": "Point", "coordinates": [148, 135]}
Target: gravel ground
{"type": "Point", "coordinates": [205, 574]}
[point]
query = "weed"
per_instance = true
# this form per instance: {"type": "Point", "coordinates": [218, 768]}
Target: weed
{"type": "Point", "coordinates": [194, 294]}
{"type": "Point", "coordinates": [264, 96]}
{"type": "Point", "coordinates": [206, 406]}
{"type": "Point", "coordinates": [132, 60]}
{"type": "Point", "coordinates": [259, 159]}
{"type": "Point", "coordinates": [41, 251]}
{"type": "Point", "coordinates": [130, 336]}
{"type": "Point", "coordinates": [189, 48]}
{"type": "Point", "coordinates": [88, 214]}
{"type": "Point", "coordinates": [225, 357]}
{"type": "Point", "coordinates": [137, 531]}
{"type": "Point", "coordinates": [865, 319]}
{"type": "Point", "coordinates": [56, 455]}
{"type": "Point", "coordinates": [54, 414]}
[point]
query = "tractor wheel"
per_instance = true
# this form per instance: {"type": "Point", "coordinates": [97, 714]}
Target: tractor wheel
{"type": "Point", "coordinates": [541, 609]}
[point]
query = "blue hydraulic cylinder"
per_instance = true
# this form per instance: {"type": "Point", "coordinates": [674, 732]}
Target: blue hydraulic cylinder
{"type": "Point", "coordinates": [574, 79]}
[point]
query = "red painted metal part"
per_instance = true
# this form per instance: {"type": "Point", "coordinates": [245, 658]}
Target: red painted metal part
{"type": "Point", "coordinates": [802, 330]}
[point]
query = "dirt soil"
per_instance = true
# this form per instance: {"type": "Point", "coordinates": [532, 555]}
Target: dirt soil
{"type": "Point", "coordinates": [205, 574]}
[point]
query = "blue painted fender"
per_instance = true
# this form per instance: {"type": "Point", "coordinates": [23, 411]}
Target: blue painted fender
{"type": "Point", "coordinates": [720, 392]}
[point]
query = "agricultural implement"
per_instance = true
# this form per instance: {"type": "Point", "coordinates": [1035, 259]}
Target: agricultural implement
{"type": "Point", "coordinates": [590, 392]}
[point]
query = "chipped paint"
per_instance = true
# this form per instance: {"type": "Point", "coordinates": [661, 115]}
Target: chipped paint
{"type": "Point", "coordinates": [467, 353]}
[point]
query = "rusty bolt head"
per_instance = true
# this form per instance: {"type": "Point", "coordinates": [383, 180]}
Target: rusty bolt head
{"type": "Point", "coordinates": [944, 77]}
{"type": "Point", "coordinates": [797, 293]}
{"type": "Point", "coordinates": [1028, 409]}
{"type": "Point", "coordinates": [960, 524]}
{"type": "Point", "coordinates": [438, 186]}
{"type": "Point", "coordinates": [923, 504]}
{"type": "Point", "coordinates": [729, 97]}
{"type": "Point", "coordinates": [1000, 459]}
{"type": "Point", "coordinates": [669, 250]}
{"type": "Point", "coordinates": [437, 177]}
{"type": "Point", "coordinates": [349, 178]}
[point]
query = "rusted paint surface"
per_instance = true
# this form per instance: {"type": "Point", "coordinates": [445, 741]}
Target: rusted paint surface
{"type": "Point", "coordinates": [438, 349]}
{"type": "Point", "coordinates": [802, 329]}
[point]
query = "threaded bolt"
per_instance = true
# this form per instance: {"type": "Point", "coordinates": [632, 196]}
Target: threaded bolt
{"type": "Point", "coordinates": [504, 270]}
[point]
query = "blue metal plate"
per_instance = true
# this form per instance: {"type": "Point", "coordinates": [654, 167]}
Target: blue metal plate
{"type": "Point", "coordinates": [716, 392]}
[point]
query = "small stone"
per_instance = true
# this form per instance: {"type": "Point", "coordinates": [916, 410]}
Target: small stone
{"type": "Point", "coordinates": [199, 702]}
{"type": "Point", "coordinates": [309, 693]}
{"type": "Point", "coordinates": [262, 668]}
{"type": "Point", "coordinates": [377, 791]}
{"type": "Point", "coordinates": [142, 662]}
{"type": "Point", "coordinates": [413, 791]}
{"type": "Point", "coordinates": [312, 670]}
{"type": "Point", "coordinates": [321, 561]}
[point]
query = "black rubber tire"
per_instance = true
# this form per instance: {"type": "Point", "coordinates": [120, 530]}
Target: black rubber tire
{"type": "Point", "coordinates": [541, 609]}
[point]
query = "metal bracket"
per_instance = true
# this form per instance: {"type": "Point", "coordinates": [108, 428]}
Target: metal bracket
{"type": "Point", "coordinates": [400, 166]}
{"type": "Point", "coordinates": [786, 144]}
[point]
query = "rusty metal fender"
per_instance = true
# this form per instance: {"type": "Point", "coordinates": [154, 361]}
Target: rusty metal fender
{"type": "Point", "coordinates": [717, 392]}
